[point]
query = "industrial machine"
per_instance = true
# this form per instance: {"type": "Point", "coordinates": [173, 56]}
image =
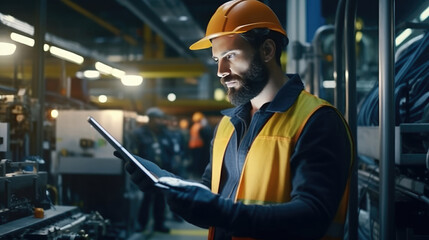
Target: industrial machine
{"type": "Point", "coordinates": [27, 212]}
{"type": "Point", "coordinates": [80, 192]}
{"type": "Point", "coordinates": [87, 173]}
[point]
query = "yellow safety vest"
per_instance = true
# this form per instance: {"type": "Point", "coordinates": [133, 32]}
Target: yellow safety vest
{"type": "Point", "coordinates": [269, 181]}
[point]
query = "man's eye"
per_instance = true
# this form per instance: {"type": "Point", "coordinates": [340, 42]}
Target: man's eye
{"type": "Point", "coordinates": [229, 56]}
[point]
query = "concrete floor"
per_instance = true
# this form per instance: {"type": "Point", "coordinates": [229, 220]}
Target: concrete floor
{"type": "Point", "coordinates": [178, 231]}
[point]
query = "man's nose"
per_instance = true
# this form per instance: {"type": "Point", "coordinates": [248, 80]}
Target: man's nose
{"type": "Point", "coordinates": [223, 69]}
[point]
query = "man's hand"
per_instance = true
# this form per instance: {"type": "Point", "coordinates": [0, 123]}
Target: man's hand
{"type": "Point", "coordinates": [137, 175]}
{"type": "Point", "coordinates": [199, 206]}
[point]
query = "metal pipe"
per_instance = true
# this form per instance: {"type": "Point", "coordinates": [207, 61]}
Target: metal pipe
{"type": "Point", "coordinates": [351, 109]}
{"type": "Point", "coordinates": [339, 99]}
{"type": "Point", "coordinates": [386, 116]}
{"type": "Point", "coordinates": [318, 54]}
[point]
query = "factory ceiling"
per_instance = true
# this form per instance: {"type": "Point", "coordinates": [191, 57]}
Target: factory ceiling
{"type": "Point", "coordinates": [147, 37]}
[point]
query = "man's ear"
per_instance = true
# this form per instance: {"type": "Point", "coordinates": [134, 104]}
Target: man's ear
{"type": "Point", "coordinates": [268, 50]}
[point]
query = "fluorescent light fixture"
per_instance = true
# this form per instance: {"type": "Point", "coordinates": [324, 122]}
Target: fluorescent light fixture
{"type": "Point", "coordinates": [118, 73]}
{"type": "Point", "coordinates": [16, 24]}
{"type": "Point", "coordinates": [7, 49]}
{"type": "Point", "coordinates": [22, 39]}
{"type": "Point", "coordinates": [91, 74]}
{"type": "Point", "coordinates": [26, 40]}
{"type": "Point", "coordinates": [424, 14]}
{"type": "Point", "coordinates": [132, 80]}
{"type": "Point", "coordinates": [66, 55]}
{"type": "Point", "coordinates": [103, 68]}
{"type": "Point", "coordinates": [404, 35]}
{"type": "Point", "coordinates": [329, 84]}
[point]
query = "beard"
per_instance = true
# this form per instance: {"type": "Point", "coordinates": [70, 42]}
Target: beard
{"type": "Point", "coordinates": [250, 85]}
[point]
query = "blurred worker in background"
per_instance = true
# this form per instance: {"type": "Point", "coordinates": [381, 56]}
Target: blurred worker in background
{"type": "Point", "coordinates": [200, 135]}
{"type": "Point", "coordinates": [152, 141]}
{"type": "Point", "coordinates": [281, 159]}
{"type": "Point", "coordinates": [179, 143]}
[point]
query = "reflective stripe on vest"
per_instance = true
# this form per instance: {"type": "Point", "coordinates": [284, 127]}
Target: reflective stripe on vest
{"type": "Point", "coordinates": [269, 181]}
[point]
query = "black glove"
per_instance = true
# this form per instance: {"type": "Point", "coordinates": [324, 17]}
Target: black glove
{"type": "Point", "coordinates": [200, 206]}
{"type": "Point", "coordinates": [137, 175]}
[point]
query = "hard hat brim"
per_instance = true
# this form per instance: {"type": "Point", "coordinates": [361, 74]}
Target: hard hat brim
{"type": "Point", "coordinates": [205, 42]}
{"type": "Point", "coordinates": [201, 44]}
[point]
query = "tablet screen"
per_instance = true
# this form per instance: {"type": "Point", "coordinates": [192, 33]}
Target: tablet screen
{"type": "Point", "coordinates": [118, 147]}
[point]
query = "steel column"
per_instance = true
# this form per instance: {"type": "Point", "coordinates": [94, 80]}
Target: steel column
{"type": "Point", "coordinates": [386, 116]}
{"type": "Point", "coordinates": [38, 80]}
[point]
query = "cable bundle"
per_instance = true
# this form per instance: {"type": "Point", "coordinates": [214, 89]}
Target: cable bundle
{"type": "Point", "coordinates": [411, 91]}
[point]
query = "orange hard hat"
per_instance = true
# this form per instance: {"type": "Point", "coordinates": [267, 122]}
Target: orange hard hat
{"type": "Point", "coordinates": [197, 116]}
{"type": "Point", "coordinates": [238, 16]}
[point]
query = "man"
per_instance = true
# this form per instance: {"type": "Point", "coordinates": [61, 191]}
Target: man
{"type": "Point", "coordinates": [200, 135]}
{"type": "Point", "coordinates": [152, 141]}
{"type": "Point", "coordinates": [281, 158]}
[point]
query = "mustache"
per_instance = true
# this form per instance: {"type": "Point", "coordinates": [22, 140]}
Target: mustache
{"type": "Point", "coordinates": [228, 78]}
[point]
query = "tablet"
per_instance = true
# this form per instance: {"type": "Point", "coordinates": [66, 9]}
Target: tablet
{"type": "Point", "coordinates": [162, 182]}
{"type": "Point", "coordinates": [124, 152]}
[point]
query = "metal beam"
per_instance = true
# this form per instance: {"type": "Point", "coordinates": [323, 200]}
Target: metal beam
{"type": "Point", "coordinates": [100, 21]}
{"type": "Point", "coordinates": [142, 11]}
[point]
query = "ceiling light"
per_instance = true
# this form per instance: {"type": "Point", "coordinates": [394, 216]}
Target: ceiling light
{"type": "Point", "coordinates": [118, 73]}
{"type": "Point", "coordinates": [103, 68]}
{"type": "Point", "coordinates": [7, 49]}
{"type": "Point", "coordinates": [26, 40]}
{"type": "Point", "coordinates": [132, 80]}
{"type": "Point", "coordinates": [66, 55]}
{"type": "Point", "coordinates": [16, 24]}
{"type": "Point", "coordinates": [22, 39]}
{"type": "Point", "coordinates": [401, 37]}
{"type": "Point", "coordinates": [91, 74]}
{"type": "Point", "coordinates": [171, 97]}
{"type": "Point", "coordinates": [424, 14]}
{"type": "Point", "coordinates": [102, 98]}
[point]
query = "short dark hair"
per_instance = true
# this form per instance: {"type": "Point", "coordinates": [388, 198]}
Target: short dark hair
{"type": "Point", "coordinates": [257, 36]}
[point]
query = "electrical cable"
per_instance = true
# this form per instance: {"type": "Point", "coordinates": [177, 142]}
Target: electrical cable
{"type": "Point", "coordinates": [411, 87]}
